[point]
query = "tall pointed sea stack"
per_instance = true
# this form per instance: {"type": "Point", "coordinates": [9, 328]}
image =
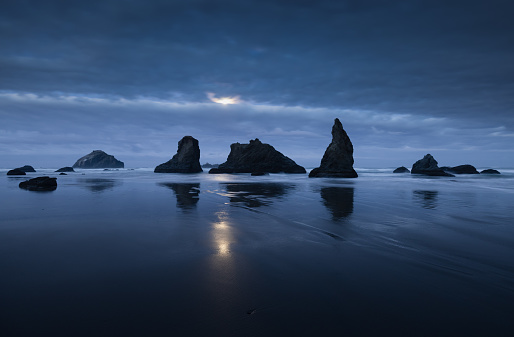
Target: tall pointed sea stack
{"type": "Point", "coordinates": [187, 159]}
{"type": "Point", "coordinates": [337, 162]}
{"type": "Point", "coordinates": [257, 157]}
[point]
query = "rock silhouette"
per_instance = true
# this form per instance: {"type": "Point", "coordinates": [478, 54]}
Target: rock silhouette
{"type": "Point", "coordinates": [66, 169]}
{"type": "Point", "coordinates": [16, 172]}
{"type": "Point", "coordinates": [401, 169]}
{"type": "Point", "coordinates": [337, 162]}
{"type": "Point", "coordinates": [26, 168]}
{"type": "Point", "coordinates": [428, 166]}
{"type": "Point", "coordinates": [98, 159]}
{"type": "Point", "coordinates": [462, 169]}
{"type": "Point", "coordinates": [490, 171]}
{"type": "Point", "coordinates": [39, 184]}
{"type": "Point", "coordinates": [187, 159]}
{"type": "Point", "coordinates": [257, 157]}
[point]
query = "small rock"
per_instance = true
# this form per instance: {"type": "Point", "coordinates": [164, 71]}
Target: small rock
{"type": "Point", "coordinates": [490, 171]}
{"type": "Point", "coordinates": [401, 169]}
{"type": "Point", "coordinates": [461, 169]}
{"type": "Point", "coordinates": [66, 169]}
{"type": "Point", "coordinates": [39, 184]}
{"type": "Point", "coordinates": [26, 168]}
{"type": "Point", "coordinates": [16, 172]}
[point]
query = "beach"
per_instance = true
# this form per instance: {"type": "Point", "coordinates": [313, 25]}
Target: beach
{"type": "Point", "coordinates": [130, 252]}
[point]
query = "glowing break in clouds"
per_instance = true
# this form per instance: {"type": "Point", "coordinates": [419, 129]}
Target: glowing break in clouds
{"type": "Point", "coordinates": [224, 100]}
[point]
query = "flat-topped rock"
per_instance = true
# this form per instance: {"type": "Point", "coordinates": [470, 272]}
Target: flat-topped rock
{"type": "Point", "coordinates": [257, 157]}
{"type": "Point", "coordinates": [66, 169]}
{"type": "Point", "coordinates": [401, 169]}
{"type": "Point", "coordinates": [490, 171]}
{"type": "Point", "coordinates": [186, 160]}
{"type": "Point", "coordinates": [16, 172]}
{"type": "Point", "coordinates": [428, 166]}
{"type": "Point", "coordinates": [39, 184]}
{"type": "Point", "coordinates": [337, 162]}
{"type": "Point", "coordinates": [98, 159]}
{"type": "Point", "coordinates": [26, 168]}
{"type": "Point", "coordinates": [462, 169]}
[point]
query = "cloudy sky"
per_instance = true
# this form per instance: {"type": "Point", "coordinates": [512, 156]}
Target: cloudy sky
{"type": "Point", "coordinates": [133, 77]}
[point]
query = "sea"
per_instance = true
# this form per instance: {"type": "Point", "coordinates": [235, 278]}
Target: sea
{"type": "Point", "coordinates": [130, 252]}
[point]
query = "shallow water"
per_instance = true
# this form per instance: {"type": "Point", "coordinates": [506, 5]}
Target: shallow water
{"type": "Point", "coordinates": [134, 253]}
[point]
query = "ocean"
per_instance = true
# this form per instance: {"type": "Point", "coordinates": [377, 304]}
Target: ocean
{"type": "Point", "coordinates": [134, 253]}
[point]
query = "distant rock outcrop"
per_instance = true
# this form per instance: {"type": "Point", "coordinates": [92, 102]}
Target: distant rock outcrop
{"type": "Point", "coordinates": [428, 166]}
{"type": "Point", "coordinates": [39, 184]}
{"type": "Point", "coordinates": [66, 169]}
{"type": "Point", "coordinates": [490, 171]}
{"type": "Point", "coordinates": [16, 172]}
{"type": "Point", "coordinates": [461, 169]}
{"type": "Point", "coordinates": [208, 165]}
{"type": "Point", "coordinates": [337, 162]}
{"type": "Point", "coordinates": [26, 168]}
{"type": "Point", "coordinates": [401, 169]}
{"type": "Point", "coordinates": [257, 157]}
{"type": "Point", "coordinates": [98, 159]}
{"type": "Point", "coordinates": [187, 159]}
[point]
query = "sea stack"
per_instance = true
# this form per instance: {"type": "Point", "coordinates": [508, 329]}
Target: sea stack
{"type": "Point", "coordinates": [428, 166]}
{"type": "Point", "coordinates": [187, 159]}
{"type": "Point", "coordinates": [257, 157]}
{"type": "Point", "coordinates": [337, 162]}
{"type": "Point", "coordinates": [98, 159]}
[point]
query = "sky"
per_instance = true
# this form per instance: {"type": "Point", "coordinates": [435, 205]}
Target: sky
{"type": "Point", "coordinates": [132, 77]}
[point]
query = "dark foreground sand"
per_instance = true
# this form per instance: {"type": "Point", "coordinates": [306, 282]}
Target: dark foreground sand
{"type": "Point", "coordinates": [132, 253]}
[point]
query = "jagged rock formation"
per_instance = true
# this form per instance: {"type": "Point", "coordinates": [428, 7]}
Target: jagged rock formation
{"type": "Point", "coordinates": [98, 159]}
{"type": "Point", "coordinates": [39, 184]}
{"type": "Point", "coordinates": [66, 169]}
{"type": "Point", "coordinates": [490, 171]}
{"type": "Point", "coordinates": [337, 162]}
{"type": "Point", "coordinates": [428, 166]}
{"type": "Point", "coordinates": [187, 159]}
{"type": "Point", "coordinates": [401, 169]}
{"type": "Point", "coordinates": [26, 168]}
{"type": "Point", "coordinates": [257, 157]}
{"type": "Point", "coordinates": [16, 172]}
{"type": "Point", "coordinates": [461, 169]}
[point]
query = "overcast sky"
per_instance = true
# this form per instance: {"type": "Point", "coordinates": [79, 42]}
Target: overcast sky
{"type": "Point", "coordinates": [132, 78]}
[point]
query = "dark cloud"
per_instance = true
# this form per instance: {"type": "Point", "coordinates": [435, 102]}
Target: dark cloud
{"type": "Point", "coordinates": [423, 59]}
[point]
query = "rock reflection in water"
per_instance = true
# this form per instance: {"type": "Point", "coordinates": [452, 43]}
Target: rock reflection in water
{"type": "Point", "coordinates": [256, 194]}
{"type": "Point", "coordinates": [427, 199]}
{"type": "Point", "coordinates": [338, 200]}
{"type": "Point", "coordinates": [187, 194]}
{"type": "Point", "coordinates": [99, 184]}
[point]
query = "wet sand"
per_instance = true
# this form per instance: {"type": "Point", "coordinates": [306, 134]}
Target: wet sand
{"type": "Point", "coordinates": [133, 253]}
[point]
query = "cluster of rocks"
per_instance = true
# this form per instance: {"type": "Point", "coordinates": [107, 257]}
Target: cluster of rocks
{"type": "Point", "coordinates": [258, 159]}
{"type": "Point", "coordinates": [428, 166]}
{"type": "Point", "coordinates": [21, 171]}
